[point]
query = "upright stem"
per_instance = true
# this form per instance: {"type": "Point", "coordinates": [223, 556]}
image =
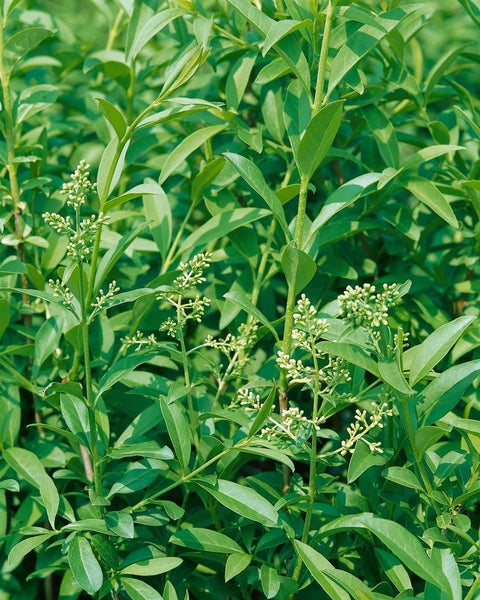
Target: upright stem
{"type": "Point", "coordinates": [322, 62]}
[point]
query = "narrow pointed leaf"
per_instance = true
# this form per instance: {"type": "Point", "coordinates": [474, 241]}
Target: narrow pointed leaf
{"type": "Point", "coordinates": [430, 195]}
{"type": "Point", "coordinates": [205, 540]}
{"type": "Point", "coordinates": [84, 565]}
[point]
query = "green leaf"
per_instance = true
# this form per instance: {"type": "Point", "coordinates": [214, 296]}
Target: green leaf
{"type": "Point", "coordinates": [141, 31]}
{"type": "Point", "coordinates": [296, 115]}
{"type": "Point", "coordinates": [21, 43]}
{"type": "Point", "coordinates": [113, 116]}
{"type": "Point", "coordinates": [221, 225]}
{"type": "Point", "coordinates": [158, 214]}
{"type": "Point", "coordinates": [110, 168]}
{"type": "Point", "coordinates": [422, 358]}
{"type": "Point", "coordinates": [446, 390]}
{"type": "Point", "coordinates": [403, 477]}
{"type": "Point", "coordinates": [152, 566]}
{"type": "Point", "coordinates": [255, 179]}
{"type": "Point", "coordinates": [46, 341]}
{"type": "Point", "coordinates": [21, 549]}
{"type": "Point", "coordinates": [35, 99]}
{"type": "Point", "coordinates": [394, 570]}
{"type": "Point", "coordinates": [138, 589]}
{"type": "Point", "coordinates": [335, 583]}
{"type": "Point", "coordinates": [205, 540]}
{"type": "Point", "coordinates": [243, 501]}
{"type": "Point", "coordinates": [178, 430]}
{"type": "Point", "coordinates": [263, 413]}
{"type": "Point", "coordinates": [206, 176]}
{"type": "Point", "coordinates": [384, 134]}
{"type": "Point", "coordinates": [28, 465]}
{"type": "Point", "coordinates": [137, 476]}
{"type": "Point", "coordinates": [186, 147]}
{"type": "Point", "coordinates": [287, 48]}
{"type": "Point", "coordinates": [238, 77]}
{"type": "Point", "coordinates": [280, 29]}
{"type": "Point", "coordinates": [391, 374]}
{"type": "Point", "coordinates": [397, 539]}
{"type": "Point", "coordinates": [351, 353]}
{"type": "Point", "coordinates": [243, 301]}
{"type": "Point", "coordinates": [236, 563]}
{"type": "Point", "coordinates": [361, 42]}
{"type": "Point", "coordinates": [430, 195]}
{"type": "Point", "coordinates": [342, 197]}
{"type": "Point", "coordinates": [84, 565]}
{"type": "Point", "coordinates": [121, 369]}
{"type": "Point", "coordinates": [298, 267]}
{"type": "Point", "coordinates": [150, 449]}
{"type": "Point", "coordinates": [318, 138]}
{"type": "Point", "coordinates": [270, 581]}
{"type": "Point", "coordinates": [363, 459]}
{"type": "Point", "coordinates": [111, 257]}
{"type": "Point", "coordinates": [75, 415]}
{"type": "Point", "coordinates": [10, 485]}
{"type": "Point", "coordinates": [121, 523]}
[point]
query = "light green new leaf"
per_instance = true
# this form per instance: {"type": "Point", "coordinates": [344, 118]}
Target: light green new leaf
{"type": "Point", "coordinates": [236, 563]}
{"type": "Point", "coordinates": [243, 301]}
{"type": "Point", "coordinates": [298, 267]}
{"type": "Point", "coordinates": [35, 99]}
{"type": "Point", "coordinates": [84, 565]}
{"type": "Point", "coordinates": [152, 566]}
{"type": "Point", "coordinates": [221, 225]}
{"type": "Point", "coordinates": [21, 549]}
{"type": "Point", "coordinates": [243, 501]}
{"type": "Point", "coordinates": [422, 358]}
{"type": "Point", "coordinates": [178, 430]}
{"type": "Point", "coordinates": [255, 179]}
{"type": "Point", "coordinates": [10, 484]}
{"type": "Point", "coordinates": [342, 197]}
{"type": "Point", "coordinates": [28, 465]}
{"type": "Point", "coordinates": [205, 540]}
{"type": "Point", "coordinates": [186, 147]}
{"type": "Point", "coordinates": [431, 196]}
{"type": "Point", "coordinates": [318, 138]}
{"type": "Point", "coordinates": [398, 540]}
{"type": "Point", "coordinates": [139, 590]}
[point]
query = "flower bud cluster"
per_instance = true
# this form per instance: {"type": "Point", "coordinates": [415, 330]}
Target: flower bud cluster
{"type": "Point", "coordinates": [365, 307]}
{"type": "Point", "coordinates": [141, 341]}
{"type": "Point", "coordinates": [248, 400]}
{"type": "Point", "coordinates": [62, 292]}
{"type": "Point", "coordinates": [102, 299]}
{"type": "Point", "coordinates": [235, 347]}
{"type": "Point", "coordinates": [79, 187]}
{"type": "Point", "coordinates": [364, 424]}
{"type": "Point", "coordinates": [295, 427]}
{"type": "Point", "coordinates": [192, 272]}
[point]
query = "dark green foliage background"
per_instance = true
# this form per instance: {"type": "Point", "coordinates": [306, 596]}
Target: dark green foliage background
{"type": "Point", "coordinates": [204, 105]}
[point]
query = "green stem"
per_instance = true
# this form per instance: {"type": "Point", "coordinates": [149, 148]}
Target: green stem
{"type": "Point", "coordinates": [420, 467]}
{"type": "Point", "coordinates": [322, 62]}
{"type": "Point", "coordinates": [474, 589]}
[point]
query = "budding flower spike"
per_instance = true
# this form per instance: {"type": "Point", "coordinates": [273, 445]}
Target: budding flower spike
{"type": "Point", "coordinates": [366, 307]}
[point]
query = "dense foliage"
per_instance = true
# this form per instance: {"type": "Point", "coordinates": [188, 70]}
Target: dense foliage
{"type": "Point", "coordinates": [239, 299]}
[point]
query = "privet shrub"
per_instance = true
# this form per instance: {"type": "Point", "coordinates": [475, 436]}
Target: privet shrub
{"type": "Point", "coordinates": [239, 299]}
